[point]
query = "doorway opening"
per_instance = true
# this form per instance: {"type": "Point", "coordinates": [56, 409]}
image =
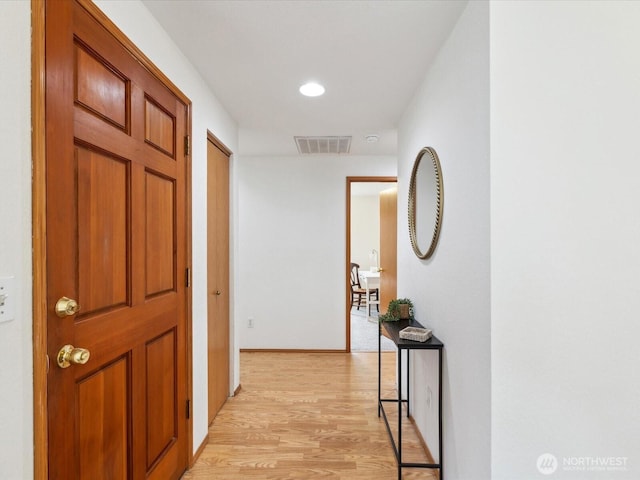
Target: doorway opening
{"type": "Point", "coordinates": [371, 245]}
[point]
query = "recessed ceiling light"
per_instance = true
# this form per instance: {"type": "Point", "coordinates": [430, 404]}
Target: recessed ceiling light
{"type": "Point", "coordinates": [311, 89]}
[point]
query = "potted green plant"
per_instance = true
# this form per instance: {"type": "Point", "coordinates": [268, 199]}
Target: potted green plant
{"type": "Point", "coordinates": [398, 309]}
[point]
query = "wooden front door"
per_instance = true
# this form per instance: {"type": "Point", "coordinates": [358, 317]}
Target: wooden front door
{"type": "Point", "coordinates": [218, 275]}
{"type": "Point", "coordinates": [116, 244]}
{"type": "Point", "coordinates": [388, 246]}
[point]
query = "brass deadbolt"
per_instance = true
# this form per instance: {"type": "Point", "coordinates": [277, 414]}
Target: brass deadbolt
{"type": "Point", "coordinates": [65, 307]}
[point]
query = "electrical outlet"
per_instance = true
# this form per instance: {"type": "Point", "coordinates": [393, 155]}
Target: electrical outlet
{"type": "Point", "coordinates": [250, 322]}
{"type": "Point", "coordinates": [7, 299]}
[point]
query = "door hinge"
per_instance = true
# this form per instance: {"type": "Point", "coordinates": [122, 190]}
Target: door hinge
{"type": "Point", "coordinates": [187, 145]}
{"type": "Point", "coordinates": [188, 409]}
{"type": "Point", "coordinates": [187, 278]}
{"type": "Point", "coordinates": [47, 363]}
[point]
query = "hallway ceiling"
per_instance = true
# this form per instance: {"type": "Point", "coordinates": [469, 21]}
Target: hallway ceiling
{"type": "Point", "coordinates": [370, 55]}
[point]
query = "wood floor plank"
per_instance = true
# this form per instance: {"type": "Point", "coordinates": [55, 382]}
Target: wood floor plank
{"type": "Point", "coordinates": [307, 416]}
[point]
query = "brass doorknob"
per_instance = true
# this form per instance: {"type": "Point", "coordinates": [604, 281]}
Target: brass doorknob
{"type": "Point", "coordinates": [66, 307]}
{"type": "Point", "coordinates": [217, 292]}
{"type": "Point", "coordinates": [71, 355]}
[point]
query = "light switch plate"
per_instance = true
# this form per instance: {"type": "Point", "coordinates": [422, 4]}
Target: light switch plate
{"type": "Point", "coordinates": [7, 299]}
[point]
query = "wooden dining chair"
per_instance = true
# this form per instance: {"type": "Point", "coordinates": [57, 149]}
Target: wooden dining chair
{"type": "Point", "coordinates": [359, 294]}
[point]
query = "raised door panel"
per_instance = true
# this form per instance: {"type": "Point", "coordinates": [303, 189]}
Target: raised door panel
{"type": "Point", "coordinates": [100, 88]}
{"type": "Point", "coordinates": [159, 128]}
{"type": "Point", "coordinates": [161, 401]}
{"type": "Point", "coordinates": [104, 426]}
{"type": "Point", "coordinates": [103, 230]}
{"type": "Point", "coordinates": [160, 234]}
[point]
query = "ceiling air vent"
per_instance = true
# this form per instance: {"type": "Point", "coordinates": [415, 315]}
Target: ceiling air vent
{"type": "Point", "coordinates": [323, 144]}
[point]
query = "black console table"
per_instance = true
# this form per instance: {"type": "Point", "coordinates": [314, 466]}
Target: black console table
{"type": "Point", "coordinates": [393, 330]}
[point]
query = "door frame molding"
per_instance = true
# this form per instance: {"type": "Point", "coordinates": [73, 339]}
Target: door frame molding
{"type": "Point", "coordinates": [351, 180]}
{"type": "Point", "coordinates": [39, 222]}
{"type": "Point", "coordinates": [219, 145]}
{"type": "Point", "coordinates": [39, 240]}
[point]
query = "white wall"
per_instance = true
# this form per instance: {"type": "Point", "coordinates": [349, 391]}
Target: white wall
{"type": "Point", "coordinates": [291, 248]}
{"type": "Point", "coordinates": [365, 229]}
{"type": "Point", "coordinates": [16, 383]}
{"type": "Point", "coordinates": [565, 227]}
{"type": "Point", "coordinates": [451, 291]}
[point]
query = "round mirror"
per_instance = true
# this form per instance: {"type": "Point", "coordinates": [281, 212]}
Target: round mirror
{"type": "Point", "coordinates": [426, 201]}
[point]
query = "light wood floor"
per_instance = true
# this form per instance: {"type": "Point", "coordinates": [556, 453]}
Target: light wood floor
{"type": "Point", "coordinates": [306, 416]}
